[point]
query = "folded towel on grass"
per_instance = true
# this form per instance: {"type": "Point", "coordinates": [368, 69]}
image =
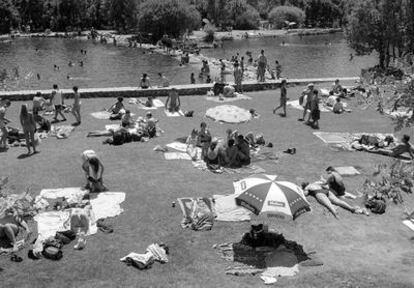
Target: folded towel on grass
{"type": "Point", "coordinates": [174, 114]}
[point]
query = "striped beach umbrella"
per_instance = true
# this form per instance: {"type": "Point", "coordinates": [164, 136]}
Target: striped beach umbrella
{"type": "Point", "coordinates": [265, 196]}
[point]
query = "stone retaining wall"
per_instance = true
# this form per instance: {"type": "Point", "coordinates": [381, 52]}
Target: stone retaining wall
{"type": "Point", "coordinates": [195, 89]}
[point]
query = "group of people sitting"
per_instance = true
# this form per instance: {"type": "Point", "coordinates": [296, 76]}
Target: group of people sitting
{"type": "Point", "coordinates": [233, 152]}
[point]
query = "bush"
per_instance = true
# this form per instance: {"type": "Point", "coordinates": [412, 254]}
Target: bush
{"type": "Point", "coordinates": [280, 14]}
{"type": "Point", "coordinates": [171, 17]}
{"type": "Point", "coordinates": [250, 19]}
{"type": "Point", "coordinates": [210, 31]}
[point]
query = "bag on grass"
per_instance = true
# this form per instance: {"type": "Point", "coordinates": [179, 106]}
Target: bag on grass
{"type": "Point", "coordinates": [52, 253]}
{"type": "Point", "coordinates": [377, 205]}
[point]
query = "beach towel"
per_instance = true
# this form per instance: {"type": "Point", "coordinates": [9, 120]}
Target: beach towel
{"type": "Point", "coordinates": [182, 147]}
{"type": "Point", "coordinates": [399, 113]}
{"type": "Point", "coordinates": [198, 213]}
{"type": "Point", "coordinates": [174, 114]}
{"type": "Point", "coordinates": [347, 171]}
{"type": "Point", "coordinates": [107, 204]}
{"type": "Point", "coordinates": [260, 155]}
{"type": "Point", "coordinates": [176, 156]}
{"type": "Point", "coordinates": [229, 114]}
{"type": "Point", "coordinates": [101, 115]}
{"type": "Point", "coordinates": [295, 104]}
{"type": "Point", "coordinates": [409, 224]}
{"type": "Point", "coordinates": [250, 169]}
{"type": "Point", "coordinates": [61, 132]}
{"type": "Point", "coordinates": [72, 194]}
{"type": "Point", "coordinates": [226, 209]}
{"type": "Point", "coordinates": [112, 127]}
{"type": "Point", "coordinates": [228, 99]}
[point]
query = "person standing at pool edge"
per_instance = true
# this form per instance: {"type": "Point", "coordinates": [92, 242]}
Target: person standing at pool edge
{"type": "Point", "coordinates": [238, 77]}
{"type": "Point", "coordinates": [261, 66]}
{"type": "Point", "coordinates": [283, 98]}
{"type": "Point", "coordinates": [76, 106]}
{"type": "Point", "coordinates": [58, 101]}
{"type": "Point", "coordinates": [29, 127]}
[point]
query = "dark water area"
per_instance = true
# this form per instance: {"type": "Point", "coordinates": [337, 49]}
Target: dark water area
{"type": "Point", "coordinates": [103, 65]}
{"type": "Point", "coordinates": [301, 57]}
{"type": "Point", "coordinates": [114, 66]}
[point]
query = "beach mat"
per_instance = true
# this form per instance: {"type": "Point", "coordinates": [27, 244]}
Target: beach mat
{"type": "Point", "coordinates": [182, 147]}
{"type": "Point", "coordinates": [101, 115]}
{"type": "Point", "coordinates": [176, 156]}
{"type": "Point", "coordinates": [62, 131]}
{"type": "Point", "coordinates": [250, 169]}
{"type": "Point", "coordinates": [174, 114]}
{"type": "Point", "coordinates": [228, 211]}
{"type": "Point", "coordinates": [409, 224]}
{"type": "Point", "coordinates": [218, 99]}
{"type": "Point", "coordinates": [198, 213]}
{"type": "Point", "coordinates": [347, 171]}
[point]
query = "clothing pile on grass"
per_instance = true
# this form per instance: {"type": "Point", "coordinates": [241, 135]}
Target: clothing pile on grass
{"type": "Point", "coordinates": [62, 215]}
{"type": "Point", "coordinates": [200, 213]}
{"type": "Point", "coordinates": [267, 253]}
{"type": "Point", "coordinates": [154, 253]}
{"type": "Point", "coordinates": [390, 181]}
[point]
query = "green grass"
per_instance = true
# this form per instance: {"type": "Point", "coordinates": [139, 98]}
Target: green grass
{"type": "Point", "coordinates": [357, 251]}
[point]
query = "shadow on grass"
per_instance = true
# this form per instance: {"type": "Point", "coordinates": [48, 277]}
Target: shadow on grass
{"type": "Point", "coordinates": [24, 156]}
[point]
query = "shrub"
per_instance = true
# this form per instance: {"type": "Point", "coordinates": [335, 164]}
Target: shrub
{"type": "Point", "coordinates": [280, 14]}
{"type": "Point", "coordinates": [171, 17]}
{"type": "Point", "coordinates": [250, 19]}
{"type": "Point", "coordinates": [210, 31]}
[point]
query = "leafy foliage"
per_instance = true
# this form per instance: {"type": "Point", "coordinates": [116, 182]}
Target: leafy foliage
{"type": "Point", "coordinates": [171, 17]}
{"type": "Point", "coordinates": [279, 15]}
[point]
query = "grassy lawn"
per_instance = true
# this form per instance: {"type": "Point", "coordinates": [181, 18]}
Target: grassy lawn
{"type": "Point", "coordinates": [357, 251]}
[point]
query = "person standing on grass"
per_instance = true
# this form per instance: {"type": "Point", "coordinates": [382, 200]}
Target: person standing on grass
{"type": "Point", "coordinates": [222, 71]}
{"type": "Point", "coordinates": [58, 101]}
{"type": "Point", "coordinates": [94, 170]}
{"type": "Point", "coordinates": [238, 77]}
{"type": "Point", "coordinates": [308, 94]}
{"type": "Point", "coordinates": [283, 98]}
{"type": "Point", "coordinates": [29, 128]}
{"type": "Point", "coordinates": [315, 113]}
{"type": "Point", "coordinates": [3, 122]}
{"type": "Point", "coordinates": [173, 103]}
{"type": "Point", "coordinates": [76, 105]}
{"type": "Point", "coordinates": [192, 79]}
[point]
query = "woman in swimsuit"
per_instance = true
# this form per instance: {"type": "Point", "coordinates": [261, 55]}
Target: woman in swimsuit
{"type": "Point", "coordinates": [10, 226]}
{"type": "Point", "coordinates": [29, 128]}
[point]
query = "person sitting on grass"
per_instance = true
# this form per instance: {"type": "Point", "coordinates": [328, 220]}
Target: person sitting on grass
{"type": "Point", "coordinates": [335, 182]}
{"type": "Point", "coordinates": [94, 170]}
{"type": "Point", "coordinates": [149, 103]}
{"type": "Point", "coordinates": [204, 136]}
{"type": "Point", "coordinates": [173, 103]}
{"type": "Point", "coordinates": [127, 120]}
{"type": "Point", "coordinates": [339, 108]}
{"type": "Point", "coordinates": [397, 151]}
{"type": "Point", "coordinates": [331, 101]}
{"type": "Point", "coordinates": [116, 109]}
{"type": "Point", "coordinates": [214, 155]}
{"type": "Point", "coordinates": [328, 199]}
{"type": "Point", "coordinates": [231, 153]}
{"type": "Point", "coordinates": [151, 125]}
{"type": "Point", "coordinates": [9, 229]}
{"type": "Point", "coordinates": [191, 142]}
{"type": "Point", "coordinates": [29, 128]}
{"type": "Point", "coordinates": [243, 153]}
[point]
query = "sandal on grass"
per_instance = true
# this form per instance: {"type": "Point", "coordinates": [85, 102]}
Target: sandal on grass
{"type": "Point", "coordinates": [16, 258]}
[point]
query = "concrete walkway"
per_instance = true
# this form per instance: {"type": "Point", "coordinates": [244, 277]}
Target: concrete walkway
{"type": "Point", "coordinates": [194, 89]}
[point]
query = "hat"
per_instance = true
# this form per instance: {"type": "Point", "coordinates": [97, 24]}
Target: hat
{"type": "Point", "coordinates": [311, 85]}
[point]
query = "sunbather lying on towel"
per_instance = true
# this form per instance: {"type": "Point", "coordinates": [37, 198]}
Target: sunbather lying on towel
{"type": "Point", "coordinates": [115, 109]}
{"type": "Point", "coordinates": [9, 229]}
{"type": "Point", "coordinates": [395, 150]}
{"type": "Point", "coordinates": [149, 102]}
{"type": "Point", "coordinates": [328, 198]}
{"type": "Point", "coordinates": [93, 169]}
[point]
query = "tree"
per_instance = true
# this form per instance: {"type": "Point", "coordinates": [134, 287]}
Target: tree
{"type": "Point", "coordinates": [171, 17]}
{"type": "Point", "coordinates": [373, 25]}
{"type": "Point", "coordinates": [279, 15]}
{"type": "Point", "coordinates": [249, 19]}
{"type": "Point", "coordinates": [123, 14]}
{"type": "Point", "coordinates": [9, 16]}
{"type": "Point", "coordinates": [322, 12]}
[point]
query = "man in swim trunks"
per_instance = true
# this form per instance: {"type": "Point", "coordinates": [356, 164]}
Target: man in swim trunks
{"type": "Point", "coordinates": [397, 151]}
{"type": "Point", "coordinates": [58, 101]}
{"type": "Point", "coordinates": [261, 67]}
{"type": "Point", "coordinates": [173, 102]}
{"type": "Point", "coordinates": [76, 105]}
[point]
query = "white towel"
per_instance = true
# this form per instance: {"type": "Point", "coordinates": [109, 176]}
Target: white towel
{"type": "Point", "coordinates": [174, 114]}
{"type": "Point", "coordinates": [72, 194]}
{"type": "Point", "coordinates": [182, 147]}
{"type": "Point", "coordinates": [107, 204]}
{"type": "Point", "coordinates": [176, 156]}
